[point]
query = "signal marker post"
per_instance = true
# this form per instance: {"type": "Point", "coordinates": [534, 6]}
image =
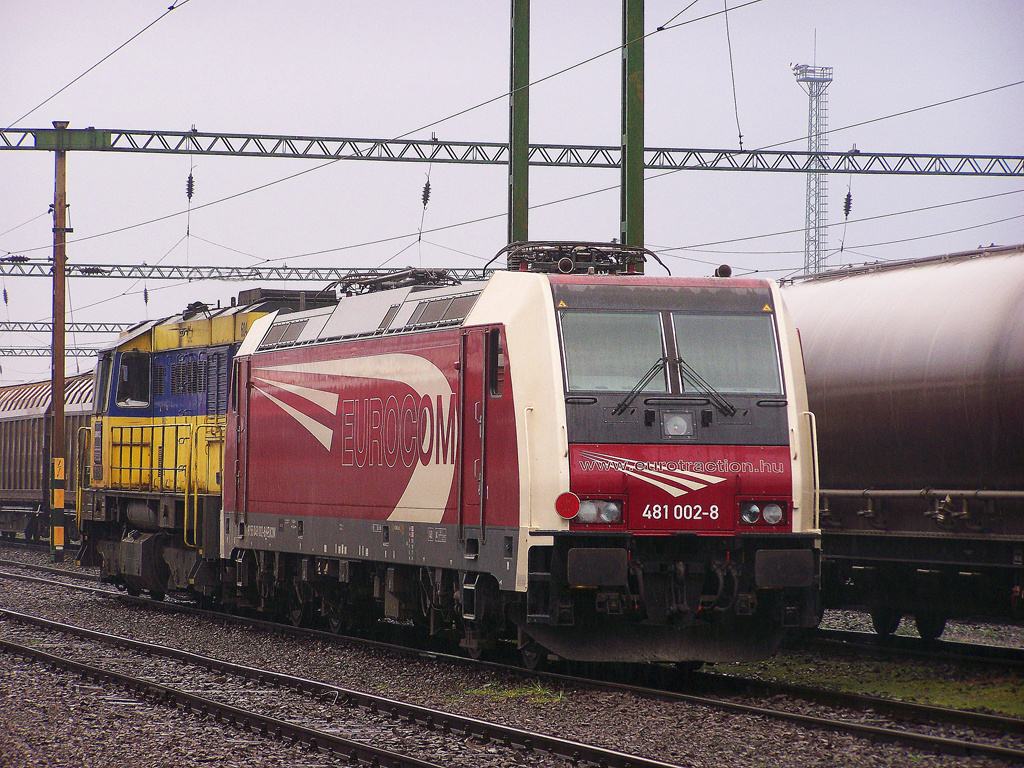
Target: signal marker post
{"type": "Point", "coordinates": [60, 231]}
{"type": "Point", "coordinates": [60, 140]}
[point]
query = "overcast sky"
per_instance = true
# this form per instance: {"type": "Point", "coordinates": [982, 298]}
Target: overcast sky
{"type": "Point", "coordinates": [385, 69]}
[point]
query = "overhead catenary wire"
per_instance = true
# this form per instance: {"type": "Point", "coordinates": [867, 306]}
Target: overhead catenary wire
{"type": "Point", "coordinates": [665, 26]}
{"type": "Point", "coordinates": [732, 74]}
{"type": "Point", "coordinates": [468, 222]}
{"type": "Point", "coordinates": [174, 6]}
{"type": "Point", "coordinates": [554, 202]}
{"type": "Point", "coordinates": [571, 67]}
{"type": "Point", "coordinates": [855, 221]}
{"type": "Point", "coordinates": [24, 223]}
{"type": "Point", "coordinates": [897, 241]}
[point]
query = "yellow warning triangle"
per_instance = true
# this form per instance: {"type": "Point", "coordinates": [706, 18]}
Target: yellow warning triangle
{"type": "Point", "coordinates": [766, 308]}
{"type": "Point", "coordinates": [561, 304]}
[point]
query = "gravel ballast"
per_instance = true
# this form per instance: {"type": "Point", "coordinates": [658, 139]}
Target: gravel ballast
{"type": "Point", "coordinates": [44, 714]}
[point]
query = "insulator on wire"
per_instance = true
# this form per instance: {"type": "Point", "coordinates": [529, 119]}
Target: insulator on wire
{"type": "Point", "coordinates": [190, 186]}
{"type": "Point", "coordinates": [5, 295]}
{"type": "Point", "coordinates": [848, 204]}
{"type": "Point", "coordinates": [426, 193]}
{"type": "Point", "coordinates": [145, 296]}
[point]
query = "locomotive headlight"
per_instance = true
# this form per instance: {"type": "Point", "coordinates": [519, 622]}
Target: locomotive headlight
{"type": "Point", "coordinates": [677, 424]}
{"type": "Point", "coordinates": [600, 511]}
{"type": "Point", "coordinates": [750, 512]}
{"type": "Point", "coordinates": [772, 513]}
{"type": "Point", "coordinates": [588, 512]}
{"type": "Point", "coordinates": [610, 512]}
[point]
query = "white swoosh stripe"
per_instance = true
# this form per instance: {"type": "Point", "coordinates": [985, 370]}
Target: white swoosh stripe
{"type": "Point", "coordinates": [326, 400]}
{"type": "Point", "coordinates": [693, 485]}
{"type": "Point", "coordinates": [324, 434]}
{"type": "Point", "coordinates": [673, 490]}
{"type": "Point", "coordinates": [426, 495]}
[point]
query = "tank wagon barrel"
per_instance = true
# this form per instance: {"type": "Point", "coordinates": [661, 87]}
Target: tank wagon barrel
{"type": "Point", "coordinates": [915, 372]}
{"type": "Point", "coordinates": [569, 455]}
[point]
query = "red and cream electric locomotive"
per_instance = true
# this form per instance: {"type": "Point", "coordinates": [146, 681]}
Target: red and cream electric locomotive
{"type": "Point", "coordinates": [589, 462]}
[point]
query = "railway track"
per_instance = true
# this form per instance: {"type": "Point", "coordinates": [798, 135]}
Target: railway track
{"type": "Point", "coordinates": [886, 719]}
{"type": "Point", "coordinates": [233, 680]}
{"type": "Point", "coordinates": [894, 646]}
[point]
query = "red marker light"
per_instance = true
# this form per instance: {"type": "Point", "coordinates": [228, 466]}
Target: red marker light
{"type": "Point", "coordinates": [567, 505]}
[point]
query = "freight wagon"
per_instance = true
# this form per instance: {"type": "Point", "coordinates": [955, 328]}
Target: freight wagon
{"type": "Point", "coordinates": [25, 453]}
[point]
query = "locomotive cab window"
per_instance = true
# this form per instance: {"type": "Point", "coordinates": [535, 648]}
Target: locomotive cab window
{"type": "Point", "coordinates": [133, 380]}
{"type": "Point", "coordinates": [101, 385]}
{"type": "Point", "coordinates": [495, 363]}
{"type": "Point", "coordinates": [735, 354]}
{"type": "Point", "coordinates": [612, 351]}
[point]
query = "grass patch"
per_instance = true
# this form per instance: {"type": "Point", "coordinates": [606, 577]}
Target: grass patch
{"type": "Point", "coordinates": [534, 692]}
{"type": "Point", "coordinates": [936, 684]}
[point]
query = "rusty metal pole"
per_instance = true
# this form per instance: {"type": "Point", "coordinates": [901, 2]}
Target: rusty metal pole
{"type": "Point", "coordinates": [57, 439]}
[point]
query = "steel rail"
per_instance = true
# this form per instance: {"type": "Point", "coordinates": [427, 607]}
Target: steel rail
{"type": "Point", "coordinates": [852, 641]}
{"type": "Point", "coordinates": [47, 569]}
{"type": "Point", "coordinates": [892, 707]}
{"type": "Point", "coordinates": [411, 713]}
{"type": "Point", "coordinates": [158, 693]}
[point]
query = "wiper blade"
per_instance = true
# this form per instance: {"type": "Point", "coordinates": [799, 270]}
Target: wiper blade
{"type": "Point", "coordinates": [636, 390]}
{"type": "Point", "coordinates": [687, 372]}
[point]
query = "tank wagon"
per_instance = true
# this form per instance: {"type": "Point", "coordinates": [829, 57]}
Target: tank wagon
{"type": "Point", "coordinates": [915, 372]}
{"type": "Point", "coordinates": [153, 457]}
{"type": "Point", "coordinates": [570, 455]}
{"type": "Point", "coordinates": [25, 452]}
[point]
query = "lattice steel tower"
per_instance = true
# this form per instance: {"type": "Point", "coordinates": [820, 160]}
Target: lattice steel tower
{"type": "Point", "coordinates": [814, 81]}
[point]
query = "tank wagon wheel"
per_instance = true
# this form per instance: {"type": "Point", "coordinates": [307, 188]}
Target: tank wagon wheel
{"type": "Point", "coordinates": [533, 656]}
{"type": "Point", "coordinates": [930, 624]}
{"type": "Point", "coordinates": [885, 619]}
{"type": "Point", "coordinates": [158, 596]}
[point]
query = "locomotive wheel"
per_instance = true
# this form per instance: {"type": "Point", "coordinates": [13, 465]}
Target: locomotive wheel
{"type": "Point", "coordinates": [295, 610]}
{"type": "Point", "coordinates": [930, 624]}
{"type": "Point", "coordinates": [885, 619]}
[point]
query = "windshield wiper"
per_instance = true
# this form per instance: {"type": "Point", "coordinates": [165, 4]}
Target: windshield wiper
{"type": "Point", "coordinates": [636, 390]}
{"type": "Point", "coordinates": [689, 374]}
